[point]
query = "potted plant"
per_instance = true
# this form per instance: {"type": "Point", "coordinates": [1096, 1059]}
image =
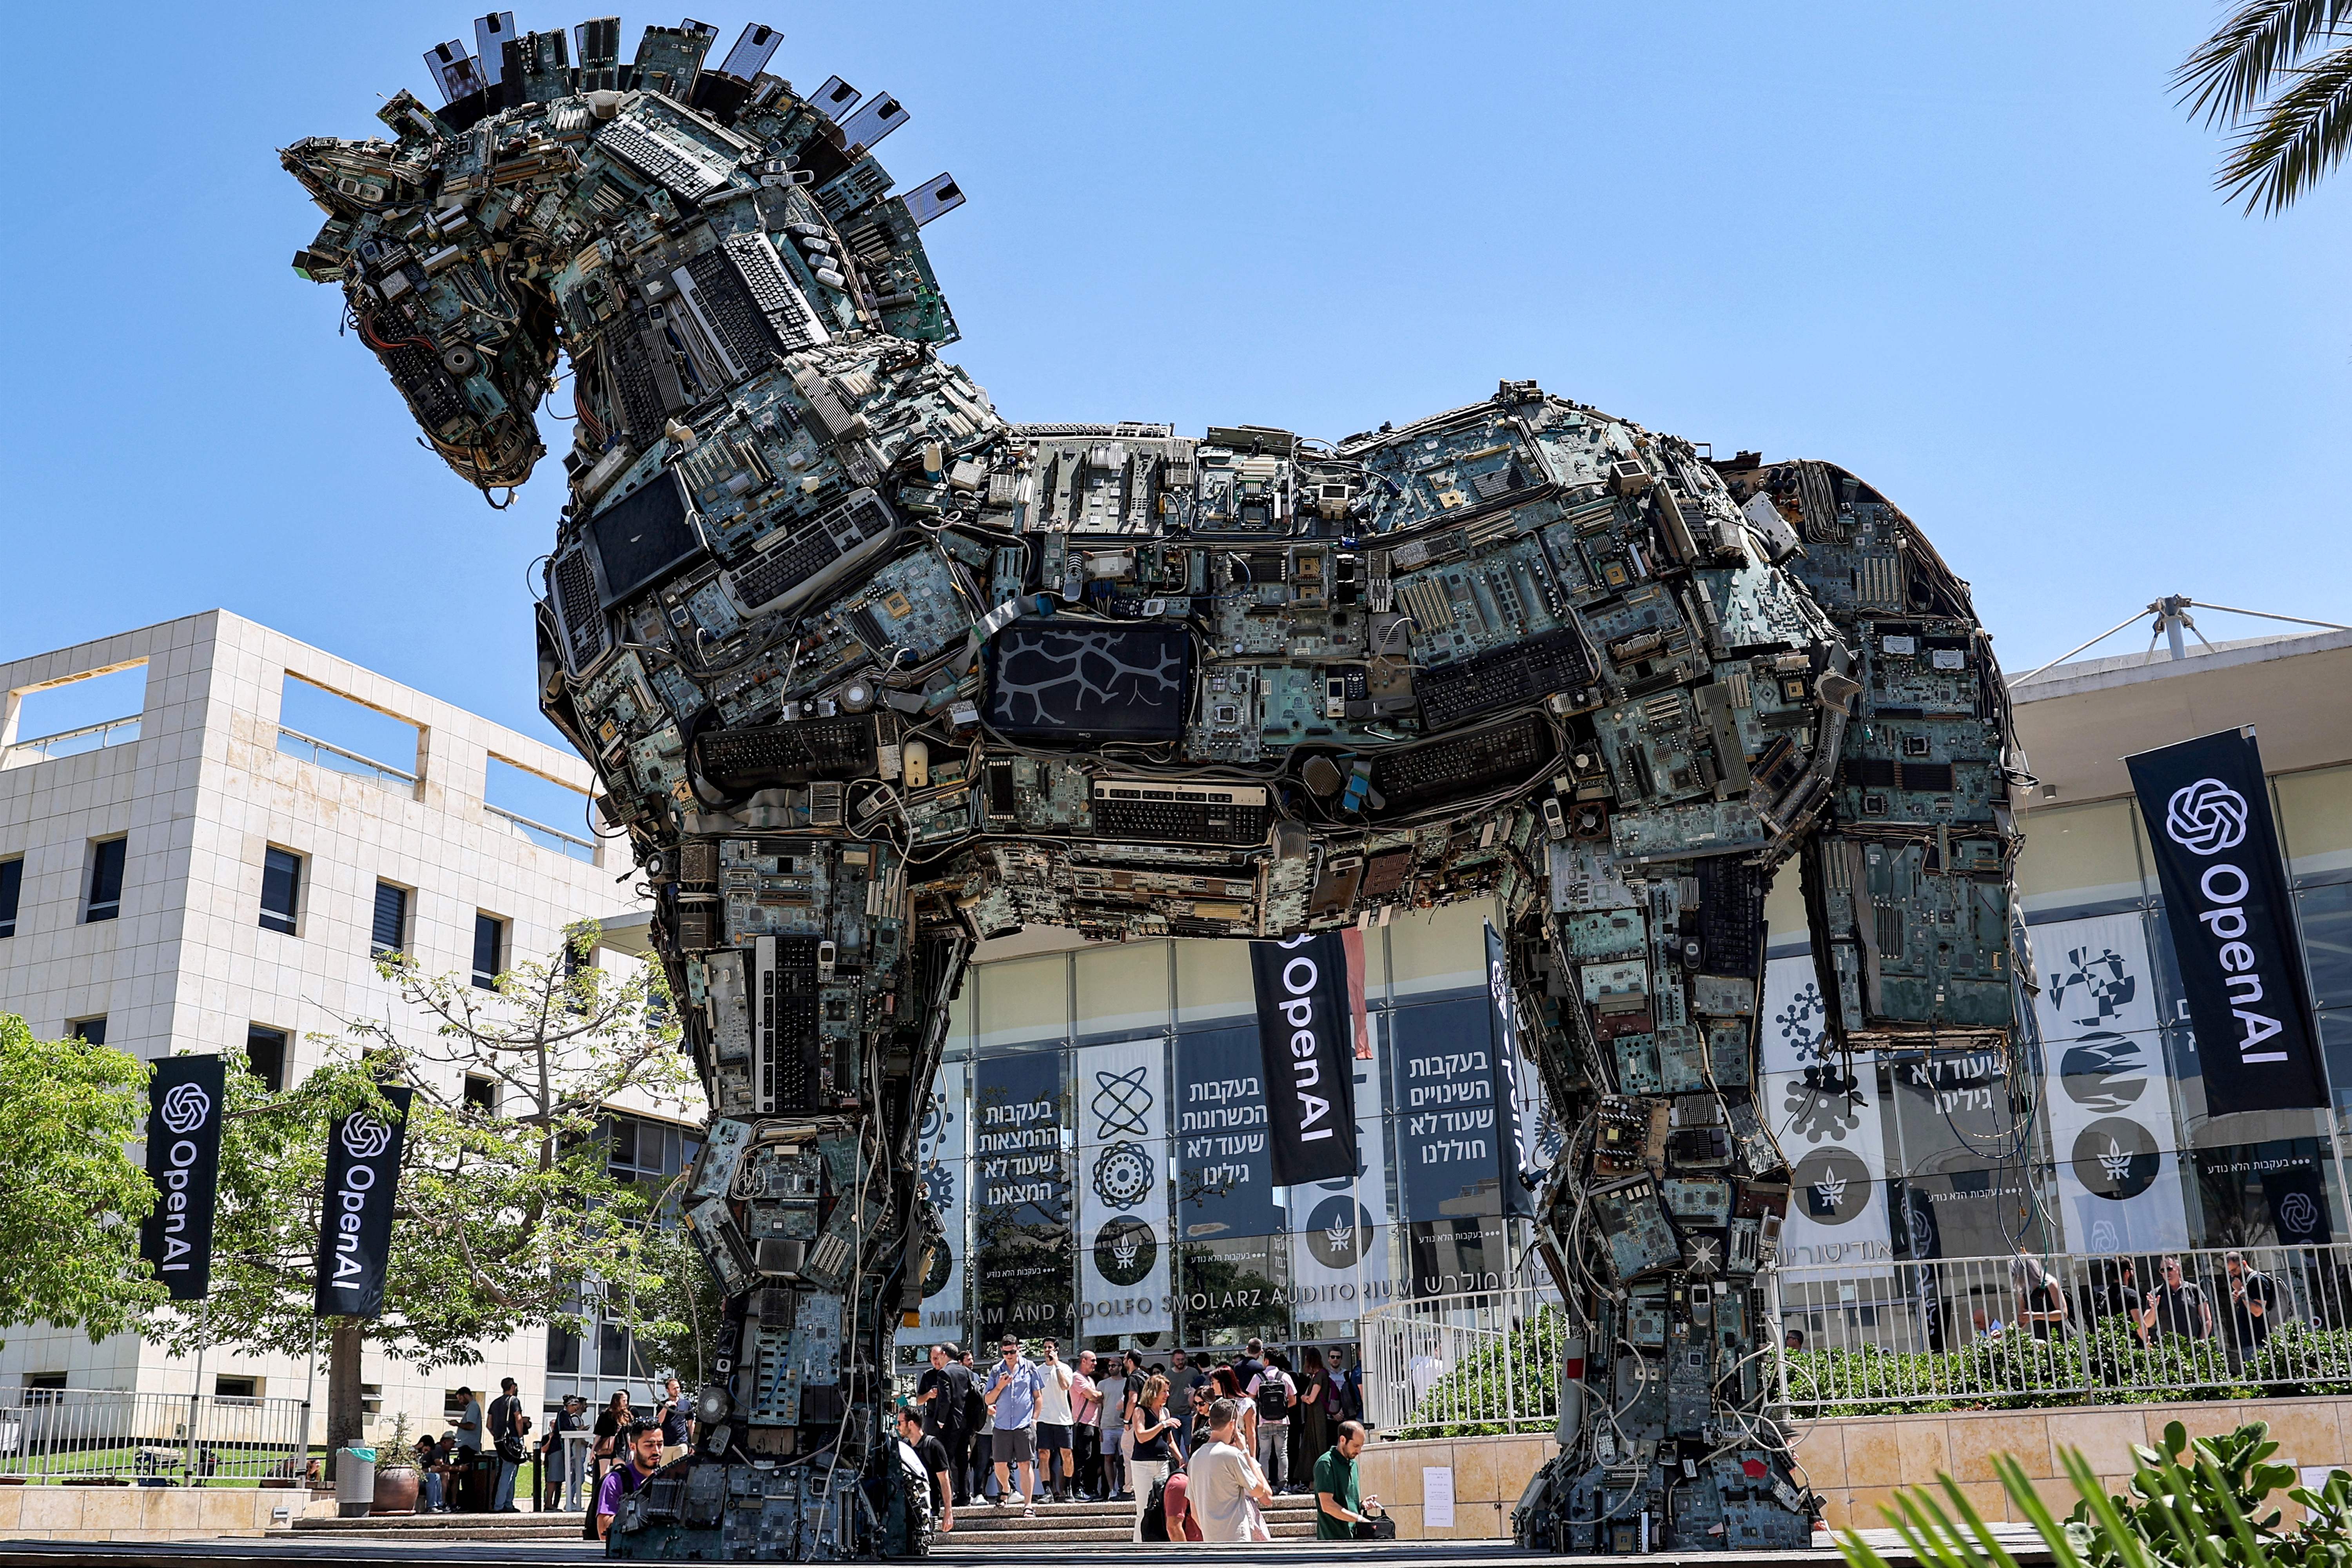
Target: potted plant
{"type": "Point", "coordinates": [396, 1476]}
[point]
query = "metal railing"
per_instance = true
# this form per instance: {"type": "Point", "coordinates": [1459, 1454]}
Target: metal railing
{"type": "Point", "coordinates": [1467, 1365]}
{"type": "Point", "coordinates": [1954, 1332]}
{"type": "Point", "coordinates": [327, 754]}
{"type": "Point", "coordinates": [543, 836]}
{"type": "Point", "coordinates": [60, 1435]}
{"type": "Point", "coordinates": [1977, 1333]}
{"type": "Point", "coordinates": [41, 748]}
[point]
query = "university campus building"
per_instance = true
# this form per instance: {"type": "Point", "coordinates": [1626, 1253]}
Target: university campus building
{"type": "Point", "coordinates": [210, 858]}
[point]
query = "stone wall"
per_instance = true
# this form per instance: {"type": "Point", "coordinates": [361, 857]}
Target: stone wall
{"type": "Point", "coordinates": [1489, 1474]}
{"type": "Point", "coordinates": [1856, 1462]}
{"type": "Point", "coordinates": [143, 1513]}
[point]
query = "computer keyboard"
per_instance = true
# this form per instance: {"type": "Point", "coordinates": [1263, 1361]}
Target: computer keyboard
{"type": "Point", "coordinates": [1511, 677]}
{"type": "Point", "coordinates": [1186, 813]}
{"type": "Point", "coordinates": [771, 756]}
{"type": "Point", "coordinates": [1461, 767]}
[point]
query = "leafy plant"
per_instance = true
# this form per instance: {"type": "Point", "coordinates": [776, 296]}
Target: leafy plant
{"type": "Point", "coordinates": [71, 1195]}
{"type": "Point", "coordinates": [2201, 1502]}
{"type": "Point", "coordinates": [399, 1452]}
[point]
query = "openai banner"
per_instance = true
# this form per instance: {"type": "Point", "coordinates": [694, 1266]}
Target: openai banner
{"type": "Point", "coordinates": [363, 1153]}
{"type": "Point", "coordinates": [186, 1097]}
{"type": "Point", "coordinates": [2111, 1126]}
{"type": "Point", "coordinates": [2216, 857]}
{"type": "Point", "coordinates": [1125, 1241]}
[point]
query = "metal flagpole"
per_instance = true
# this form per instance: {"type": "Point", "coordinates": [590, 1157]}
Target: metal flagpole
{"type": "Point", "coordinates": [196, 1392]}
{"type": "Point", "coordinates": [310, 1381]}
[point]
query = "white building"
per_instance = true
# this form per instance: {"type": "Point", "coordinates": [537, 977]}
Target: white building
{"type": "Point", "coordinates": [203, 871]}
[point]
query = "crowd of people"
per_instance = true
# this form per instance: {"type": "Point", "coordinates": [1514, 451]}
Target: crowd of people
{"type": "Point", "coordinates": [1200, 1447]}
{"type": "Point", "coordinates": [2239, 1307]}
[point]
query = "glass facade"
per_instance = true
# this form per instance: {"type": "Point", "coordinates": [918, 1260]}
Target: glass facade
{"type": "Point", "coordinates": [598, 1365]}
{"type": "Point", "coordinates": [1097, 1150]}
{"type": "Point", "coordinates": [2105, 1143]}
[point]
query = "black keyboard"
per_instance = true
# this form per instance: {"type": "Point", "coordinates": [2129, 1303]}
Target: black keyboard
{"type": "Point", "coordinates": [1150, 811]}
{"type": "Point", "coordinates": [1516, 676]}
{"type": "Point", "coordinates": [809, 549]}
{"type": "Point", "coordinates": [1730, 916]}
{"type": "Point", "coordinates": [771, 756]}
{"type": "Point", "coordinates": [1461, 767]}
{"type": "Point", "coordinates": [642, 408]}
{"type": "Point", "coordinates": [789, 1065]}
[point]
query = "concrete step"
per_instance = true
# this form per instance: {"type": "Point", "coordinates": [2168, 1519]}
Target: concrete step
{"type": "Point", "coordinates": [1091, 1535]}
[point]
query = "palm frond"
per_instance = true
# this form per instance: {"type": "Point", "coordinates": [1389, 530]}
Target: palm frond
{"type": "Point", "coordinates": [2302, 134]}
{"type": "Point", "coordinates": [2232, 71]}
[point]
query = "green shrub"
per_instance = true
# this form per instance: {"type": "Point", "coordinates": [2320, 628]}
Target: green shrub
{"type": "Point", "coordinates": [1511, 1385]}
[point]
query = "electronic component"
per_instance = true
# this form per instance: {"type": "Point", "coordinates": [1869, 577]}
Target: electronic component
{"type": "Point", "coordinates": [1062, 682]}
{"type": "Point", "coordinates": [1186, 813]}
{"type": "Point", "coordinates": [1461, 767]}
{"type": "Point", "coordinates": [1512, 676]}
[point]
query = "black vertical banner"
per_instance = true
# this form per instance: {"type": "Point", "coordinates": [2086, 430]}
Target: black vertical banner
{"type": "Point", "coordinates": [1023, 1256]}
{"type": "Point", "coordinates": [1305, 1039]}
{"type": "Point", "coordinates": [2225, 898]}
{"type": "Point", "coordinates": [186, 1097]}
{"type": "Point", "coordinates": [1502, 1026]}
{"type": "Point", "coordinates": [355, 1224]}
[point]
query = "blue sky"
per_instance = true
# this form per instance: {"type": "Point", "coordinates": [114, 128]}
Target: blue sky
{"type": "Point", "coordinates": [1971, 253]}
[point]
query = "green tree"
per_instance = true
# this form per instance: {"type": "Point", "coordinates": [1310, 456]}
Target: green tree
{"type": "Point", "coordinates": [507, 1217]}
{"type": "Point", "coordinates": [2277, 74]}
{"type": "Point", "coordinates": [71, 1198]}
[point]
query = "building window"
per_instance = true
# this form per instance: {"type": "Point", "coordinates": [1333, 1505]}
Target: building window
{"type": "Point", "coordinates": [11, 884]}
{"type": "Point", "coordinates": [242, 1390]}
{"type": "Point", "coordinates": [106, 857]}
{"type": "Point", "coordinates": [370, 1401]}
{"type": "Point", "coordinates": [490, 950]}
{"type": "Point", "coordinates": [482, 1093]}
{"type": "Point", "coordinates": [264, 1055]}
{"type": "Point", "coordinates": [281, 889]}
{"type": "Point", "coordinates": [43, 1387]}
{"type": "Point", "coordinates": [390, 931]}
{"type": "Point", "coordinates": [91, 1031]}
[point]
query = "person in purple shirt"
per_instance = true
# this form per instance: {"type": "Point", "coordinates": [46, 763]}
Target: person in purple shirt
{"type": "Point", "coordinates": [642, 1441]}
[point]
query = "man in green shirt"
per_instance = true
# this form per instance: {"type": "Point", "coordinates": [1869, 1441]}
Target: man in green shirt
{"type": "Point", "coordinates": [1337, 1509]}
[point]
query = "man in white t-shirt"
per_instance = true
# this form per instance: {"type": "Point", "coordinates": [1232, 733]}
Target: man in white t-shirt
{"type": "Point", "coordinates": [1225, 1482]}
{"type": "Point", "coordinates": [1054, 1442]}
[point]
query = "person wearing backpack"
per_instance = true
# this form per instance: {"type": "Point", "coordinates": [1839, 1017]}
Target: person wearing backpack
{"type": "Point", "coordinates": [1272, 1394]}
{"type": "Point", "coordinates": [1151, 1426]}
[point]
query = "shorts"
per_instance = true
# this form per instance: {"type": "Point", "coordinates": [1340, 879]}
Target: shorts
{"type": "Point", "coordinates": [672, 1452]}
{"type": "Point", "coordinates": [1051, 1437]}
{"type": "Point", "coordinates": [1014, 1445]}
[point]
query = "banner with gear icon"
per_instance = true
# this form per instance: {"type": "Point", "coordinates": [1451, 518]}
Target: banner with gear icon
{"type": "Point", "coordinates": [1826, 1111]}
{"type": "Point", "coordinates": [940, 1157]}
{"type": "Point", "coordinates": [2112, 1132]}
{"type": "Point", "coordinates": [1124, 1239]}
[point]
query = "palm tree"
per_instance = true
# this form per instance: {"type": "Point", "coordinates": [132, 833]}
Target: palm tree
{"type": "Point", "coordinates": [2278, 73]}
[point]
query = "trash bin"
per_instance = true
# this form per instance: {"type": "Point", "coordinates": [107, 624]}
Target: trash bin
{"type": "Point", "coordinates": [355, 1482]}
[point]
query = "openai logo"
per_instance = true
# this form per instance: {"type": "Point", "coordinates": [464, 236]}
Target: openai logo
{"type": "Point", "coordinates": [365, 1136]}
{"type": "Point", "coordinates": [2205, 818]}
{"type": "Point", "coordinates": [184, 1108]}
{"type": "Point", "coordinates": [2299, 1216]}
